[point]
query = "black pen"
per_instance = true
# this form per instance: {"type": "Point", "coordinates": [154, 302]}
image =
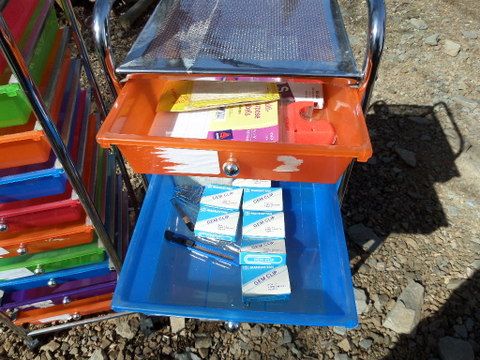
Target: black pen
{"type": "Point", "coordinates": [185, 218]}
{"type": "Point", "coordinates": [187, 242]}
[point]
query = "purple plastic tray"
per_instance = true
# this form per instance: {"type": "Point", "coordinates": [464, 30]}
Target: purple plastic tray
{"type": "Point", "coordinates": [63, 293]}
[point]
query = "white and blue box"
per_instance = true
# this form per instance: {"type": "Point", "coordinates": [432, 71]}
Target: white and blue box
{"type": "Point", "coordinates": [263, 225]}
{"type": "Point", "coordinates": [263, 252]}
{"type": "Point", "coordinates": [221, 196]}
{"type": "Point", "coordinates": [265, 283]}
{"type": "Point", "coordinates": [218, 224]}
{"type": "Point", "coordinates": [262, 199]}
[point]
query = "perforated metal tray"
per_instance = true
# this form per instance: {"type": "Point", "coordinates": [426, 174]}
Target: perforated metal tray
{"type": "Point", "coordinates": [266, 37]}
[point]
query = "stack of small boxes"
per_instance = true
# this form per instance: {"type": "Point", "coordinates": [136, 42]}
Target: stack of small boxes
{"type": "Point", "coordinates": [263, 255]}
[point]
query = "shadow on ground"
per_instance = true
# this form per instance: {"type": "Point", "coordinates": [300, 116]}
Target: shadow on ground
{"type": "Point", "coordinates": [459, 318]}
{"type": "Point", "coordinates": [394, 191]}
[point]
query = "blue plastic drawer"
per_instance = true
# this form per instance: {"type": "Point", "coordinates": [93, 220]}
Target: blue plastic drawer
{"type": "Point", "coordinates": [58, 277]}
{"type": "Point", "coordinates": [32, 185]}
{"type": "Point", "coordinates": [161, 278]}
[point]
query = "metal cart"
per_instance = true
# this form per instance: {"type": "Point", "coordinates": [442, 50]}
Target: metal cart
{"type": "Point", "coordinates": [268, 41]}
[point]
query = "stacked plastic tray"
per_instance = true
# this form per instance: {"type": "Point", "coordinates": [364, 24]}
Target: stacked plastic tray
{"type": "Point", "coordinates": [52, 267]}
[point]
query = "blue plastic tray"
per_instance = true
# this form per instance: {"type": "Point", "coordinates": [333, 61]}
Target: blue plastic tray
{"type": "Point", "coordinates": [160, 278]}
{"type": "Point", "coordinates": [60, 277]}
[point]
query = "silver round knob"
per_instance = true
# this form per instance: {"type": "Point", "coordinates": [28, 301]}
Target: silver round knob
{"type": "Point", "coordinates": [231, 168]}
{"type": "Point", "coordinates": [51, 283]}
{"type": "Point", "coordinates": [38, 270]}
{"type": "Point", "coordinates": [22, 250]}
{"type": "Point", "coordinates": [232, 326]}
{"type": "Point", "coordinates": [3, 227]}
{"type": "Point", "coordinates": [76, 316]}
{"type": "Point", "coordinates": [66, 300]}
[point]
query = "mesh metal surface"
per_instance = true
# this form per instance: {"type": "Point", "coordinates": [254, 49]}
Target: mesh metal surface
{"type": "Point", "coordinates": [297, 37]}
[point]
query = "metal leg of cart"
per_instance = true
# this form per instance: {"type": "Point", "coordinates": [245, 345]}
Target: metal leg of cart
{"type": "Point", "coordinates": [15, 60]}
{"type": "Point", "coordinates": [376, 36]}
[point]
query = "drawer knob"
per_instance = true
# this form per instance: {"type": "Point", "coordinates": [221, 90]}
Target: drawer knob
{"type": "Point", "coordinates": [51, 283]}
{"type": "Point", "coordinates": [38, 270]}
{"type": "Point", "coordinates": [22, 250]}
{"type": "Point", "coordinates": [3, 227]}
{"type": "Point", "coordinates": [231, 168]}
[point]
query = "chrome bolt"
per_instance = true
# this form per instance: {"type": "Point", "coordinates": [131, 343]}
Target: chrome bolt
{"type": "Point", "coordinates": [76, 316]}
{"type": "Point", "coordinates": [38, 270]}
{"type": "Point", "coordinates": [66, 300]}
{"type": "Point", "coordinates": [22, 250]}
{"type": "Point", "coordinates": [51, 283]}
{"type": "Point", "coordinates": [231, 169]}
{"type": "Point", "coordinates": [3, 227]}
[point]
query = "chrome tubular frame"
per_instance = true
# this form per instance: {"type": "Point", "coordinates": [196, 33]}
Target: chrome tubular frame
{"type": "Point", "coordinates": [17, 63]}
{"type": "Point", "coordinates": [68, 9]}
{"type": "Point", "coordinates": [101, 33]}
{"type": "Point", "coordinates": [20, 69]}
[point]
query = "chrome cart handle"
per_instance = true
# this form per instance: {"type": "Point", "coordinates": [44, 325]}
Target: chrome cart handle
{"type": "Point", "coordinates": [101, 34]}
{"type": "Point", "coordinates": [376, 37]}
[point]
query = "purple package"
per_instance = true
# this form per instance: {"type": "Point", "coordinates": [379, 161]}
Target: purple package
{"type": "Point", "coordinates": [268, 134]}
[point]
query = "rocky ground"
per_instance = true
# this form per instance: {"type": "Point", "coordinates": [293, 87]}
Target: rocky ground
{"type": "Point", "coordinates": [411, 214]}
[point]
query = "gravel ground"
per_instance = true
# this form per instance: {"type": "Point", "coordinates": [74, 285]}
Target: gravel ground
{"type": "Point", "coordinates": [411, 214]}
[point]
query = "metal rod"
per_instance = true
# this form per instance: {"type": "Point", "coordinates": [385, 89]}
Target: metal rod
{"type": "Point", "coordinates": [376, 38]}
{"type": "Point", "coordinates": [20, 331]}
{"type": "Point", "coordinates": [101, 34]}
{"type": "Point", "coordinates": [72, 324]}
{"type": "Point", "coordinates": [78, 38]}
{"type": "Point", "coordinates": [19, 67]}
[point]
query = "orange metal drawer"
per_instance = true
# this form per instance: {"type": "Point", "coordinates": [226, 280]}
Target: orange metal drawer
{"type": "Point", "coordinates": [92, 305]}
{"type": "Point", "coordinates": [130, 122]}
{"type": "Point", "coordinates": [45, 240]}
{"type": "Point", "coordinates": [24, 145]}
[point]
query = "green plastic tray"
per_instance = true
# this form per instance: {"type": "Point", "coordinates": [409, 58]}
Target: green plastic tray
{"type": "Point", "coordinates": [28, 265]}
{"type": "Point", "coordinates": [14, 106]}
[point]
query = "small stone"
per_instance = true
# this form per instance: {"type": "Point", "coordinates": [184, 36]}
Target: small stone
{"type": "Point", "coordinates": [472, 35]}
{"type": "Point", "coordinates": [256, 331]}
{"type": "Point", "coordinates": [455, 349]}
{"type": "Point", "coordinates": [454, 284]}
{"type": "Point", "coordinates": [177, 324]}
{"type": "Point", "coordinates": [124, 329]}
{"type": "Point", "coordinates": [341, 357]}
{"type": "Point", "coordinates": [469, 324]}
{"type": "Point", "coordinates": [432, 40]}
{"type": "Point", "coordinates": [51, 346]}
{"type": "Point", "coordinates": [98, 355]}
{"type": "Point", "coordinates": [365, 343]}
{"type": "Point", "coordinates": [451, 48]}
{"type": "Point", "coordinates": [360, 300]}
{"type": "Point", "coordinates": [460, 331]}
{"type": "Point", "coordinates": [254, 355]}
{"type": "Point", "coordinates": [203, 352]}
{"type": "Point", "coordinates": [407, 311]}
{"type": "Point", "coordinates": [364, 237]}
{"type": "Point", "coordinates": [203, 342]}
{"type": "Point", "coordinates": [409, 157]}
{"type": "Point", "coordinates": [344, 345]}
{"type": "Point", "coordinates": [419, 24]}
{"type": "Point", "coordinates": [466, 102]}
{"type": "Point", "coordinates": [287, 337]}
{"type": "Point", "coordinates": [339, 330]}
